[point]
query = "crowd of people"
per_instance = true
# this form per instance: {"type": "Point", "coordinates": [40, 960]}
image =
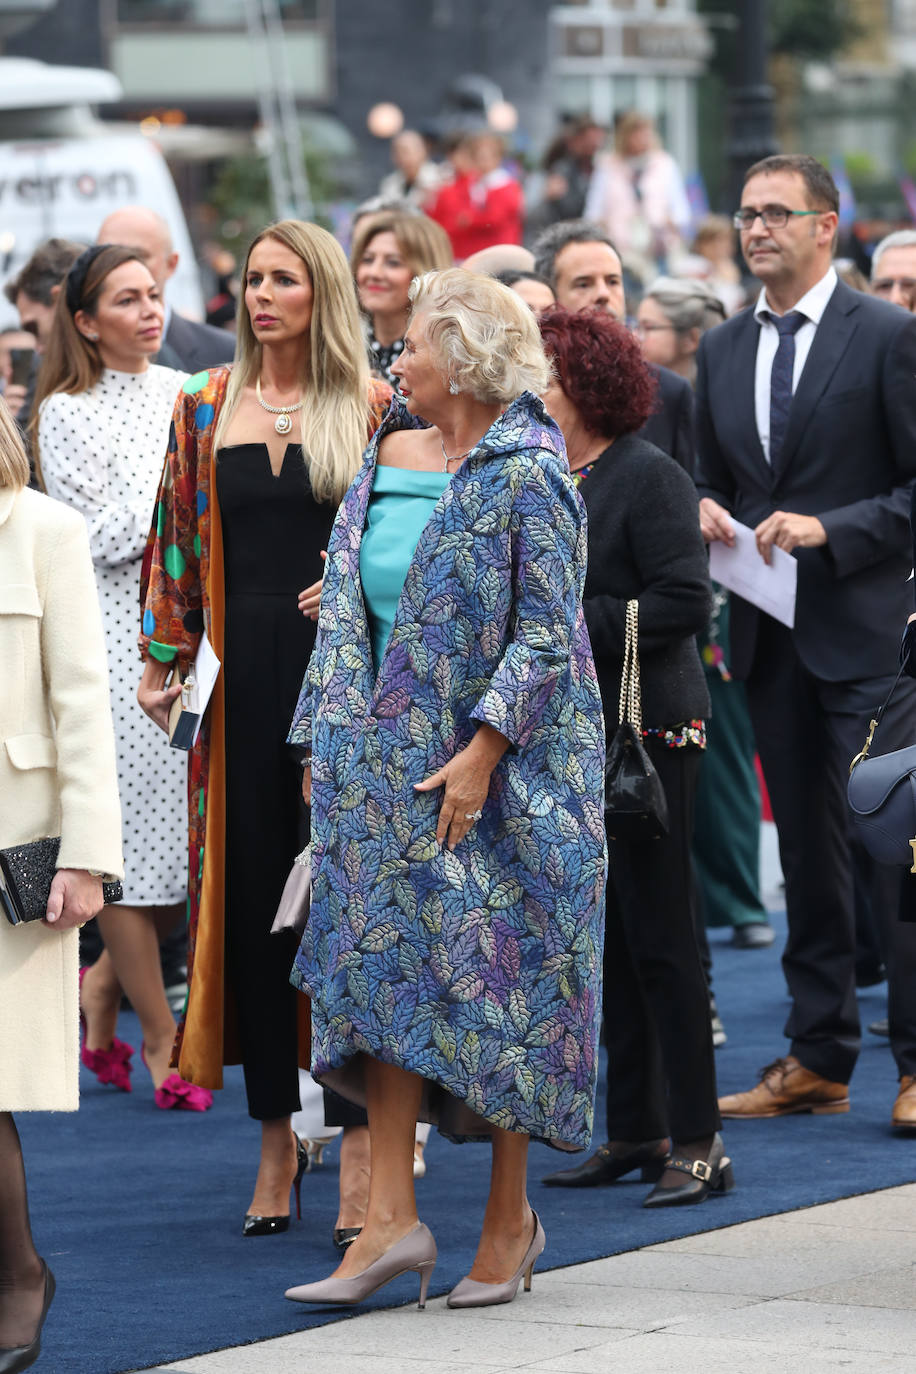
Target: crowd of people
{"type": "Point", "coordinates": [425, 505]}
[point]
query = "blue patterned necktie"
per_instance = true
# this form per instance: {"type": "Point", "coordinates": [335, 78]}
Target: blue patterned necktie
{"type": "Point", "coordinates": [781, 378]}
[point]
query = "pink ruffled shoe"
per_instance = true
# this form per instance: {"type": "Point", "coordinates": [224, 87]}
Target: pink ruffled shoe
{"type": "Point", "coordinates": [176, 1093]}
{"type": "Point", "coordinates": [109, 1066]}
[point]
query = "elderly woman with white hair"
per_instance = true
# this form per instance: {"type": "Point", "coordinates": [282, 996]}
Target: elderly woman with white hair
{"type": "Point", "coordinates": [453, 722]}
{"type": "Point", "coordinates": [673, 316]}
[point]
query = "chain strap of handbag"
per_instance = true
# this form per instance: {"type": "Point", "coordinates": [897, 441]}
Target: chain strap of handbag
{"type": "Point", "coordinates": [630, 705]}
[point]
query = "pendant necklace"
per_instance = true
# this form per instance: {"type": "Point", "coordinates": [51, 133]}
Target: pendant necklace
{"type": "Point", "coordinates": [456, 458]}
{"type": "Point", "coordinates": [283, 424]}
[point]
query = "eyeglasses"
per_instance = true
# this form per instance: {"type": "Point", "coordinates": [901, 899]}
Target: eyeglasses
{"type": "Point", "coordinates": [640, 328]}
{"type": "Point", "coordinates": [883, 286]}
{"type": "Point", "coordinates": [771, 216]}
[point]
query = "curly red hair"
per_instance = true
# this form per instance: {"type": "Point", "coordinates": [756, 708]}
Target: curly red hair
{"type": "Point", "coordinates": [600, 367]}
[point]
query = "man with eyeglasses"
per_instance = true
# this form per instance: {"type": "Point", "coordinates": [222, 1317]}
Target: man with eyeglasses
{"type": "Point", "coordinates": [893, 269]}
{"type": "Point", "coordinates": [806, 412]}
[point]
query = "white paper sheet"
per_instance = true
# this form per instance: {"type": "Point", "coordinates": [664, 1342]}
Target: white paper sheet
{"type": "Point", "coordinates": [206, 670]}
{"type": "Point", "coordinates": [771, 586]}
{"type": "Point", "coordinates": [187, 711]}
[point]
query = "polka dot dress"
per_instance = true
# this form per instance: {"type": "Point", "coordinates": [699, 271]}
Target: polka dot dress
{"type": "Point", "coordinates": [102, 453]}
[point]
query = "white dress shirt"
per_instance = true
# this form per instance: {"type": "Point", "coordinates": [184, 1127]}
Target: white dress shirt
{"type": "Point", "coordinates": [812, 305]}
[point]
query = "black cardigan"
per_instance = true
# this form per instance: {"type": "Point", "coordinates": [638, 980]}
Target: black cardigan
{"type": "Point", "coordinates": [644, 541]}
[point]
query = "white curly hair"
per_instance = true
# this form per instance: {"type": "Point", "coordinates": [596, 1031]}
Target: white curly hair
{"type": "Point", "coordinates": [482, 335]}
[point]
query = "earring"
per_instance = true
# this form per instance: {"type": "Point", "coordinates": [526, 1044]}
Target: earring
{"type": "Point", "coordinates": [93, 337]}
{"type": "Point", "coordinates": [453, 387]}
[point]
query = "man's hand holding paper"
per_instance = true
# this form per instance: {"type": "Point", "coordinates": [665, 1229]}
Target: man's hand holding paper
{"type": "Point", "coordinates": [786, 531]}
{"type": "Point", "coordinates": [767, 582]}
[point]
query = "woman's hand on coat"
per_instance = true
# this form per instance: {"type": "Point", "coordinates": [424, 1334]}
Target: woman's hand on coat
{"type": "Point", "coordinates": [76, 896]}
{"type": "Point", "coordinates": [310, 599]}
{"type": "Point", "coordinates": [153, 695]}
{"type": "Point", "coordinates": [466, 779]}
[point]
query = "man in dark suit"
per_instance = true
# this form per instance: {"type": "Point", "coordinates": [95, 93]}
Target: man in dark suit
{"type": "Point", "coordinates": [806, 416]}
{"type": "Point", "coordinates": [584, 269]}
{"type": "Point", "coordinates": [187, 345]}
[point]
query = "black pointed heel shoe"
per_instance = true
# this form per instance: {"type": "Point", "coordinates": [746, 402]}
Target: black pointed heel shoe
{"type": "Point", "coordinates": [704, 1176]}
{"type": "Point", "coordinates": [254, 1225]}
{"type": "Point", "coordinates": [13, 1359]}
{"type": "Point", "coordinates": [608, 1164]}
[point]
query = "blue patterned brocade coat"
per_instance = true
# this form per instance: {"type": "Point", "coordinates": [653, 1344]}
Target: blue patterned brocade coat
{"type": "Point", "coordinates": [478, 969]}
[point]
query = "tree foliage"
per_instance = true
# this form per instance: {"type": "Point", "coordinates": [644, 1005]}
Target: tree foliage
{"type": "Point", "coordinates": [812, 29]}
{"type": "Point", "coordinates": [808, 29]}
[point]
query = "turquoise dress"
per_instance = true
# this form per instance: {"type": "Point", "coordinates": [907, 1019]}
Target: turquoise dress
{"type": "Point", "coordinates": [400, 505]}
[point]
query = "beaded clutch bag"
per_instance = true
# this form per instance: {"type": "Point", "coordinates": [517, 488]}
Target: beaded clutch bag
{"type": "Point", "coordinates": [26, 874]}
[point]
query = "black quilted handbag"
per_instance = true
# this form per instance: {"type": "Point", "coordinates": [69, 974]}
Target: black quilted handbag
{"type": "Point", "coordinates": [635, 805]}
{"type": "Point", "coordinates": [882, 798]}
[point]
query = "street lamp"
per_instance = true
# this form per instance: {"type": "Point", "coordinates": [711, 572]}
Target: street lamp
{"type": "Point", "coordinates": [751, 135]}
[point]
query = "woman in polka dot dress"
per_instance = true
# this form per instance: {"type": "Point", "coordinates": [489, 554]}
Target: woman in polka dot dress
{"type": "Point", "coordinates": [102, 429]}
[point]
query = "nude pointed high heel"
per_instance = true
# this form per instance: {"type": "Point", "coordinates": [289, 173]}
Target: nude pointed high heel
{"type": "Point", "coordinates": [470, 1293]}
{"type": "Point", "coordinates": [415, 1252]}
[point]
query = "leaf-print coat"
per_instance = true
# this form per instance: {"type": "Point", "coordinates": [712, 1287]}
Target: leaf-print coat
{"type": "Point", "coordinates": [478, 969]}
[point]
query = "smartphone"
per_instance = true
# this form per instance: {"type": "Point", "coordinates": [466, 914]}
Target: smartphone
{"type": "Point", "coordinates": [21, 360]}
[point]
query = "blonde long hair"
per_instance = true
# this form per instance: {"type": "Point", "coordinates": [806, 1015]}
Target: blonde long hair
{"type": "Point", "coordinates": [335, 376]}
{"type": "Point", "coordinates": [14, 465]}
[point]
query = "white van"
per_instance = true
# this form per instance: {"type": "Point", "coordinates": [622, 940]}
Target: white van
{"type": "Point", "coordinates": [62, 171]}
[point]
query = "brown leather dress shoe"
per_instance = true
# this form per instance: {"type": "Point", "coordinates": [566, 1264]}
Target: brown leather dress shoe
{"type": "Point", "coordinates": [904, 1113]}
{"type": "Point", "coordinates": [785, 1087]}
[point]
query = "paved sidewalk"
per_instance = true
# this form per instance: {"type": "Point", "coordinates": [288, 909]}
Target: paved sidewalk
{"type": "Point", "coordinates": [831, 1288]}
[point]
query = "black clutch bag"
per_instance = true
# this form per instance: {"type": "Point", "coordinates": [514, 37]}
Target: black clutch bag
{"type": "Point", "coordinates": [635, 805]}
{"type": "Point", "coordinates": [882, 797]}
{"type": "Point", "coordinates": [26, 874]}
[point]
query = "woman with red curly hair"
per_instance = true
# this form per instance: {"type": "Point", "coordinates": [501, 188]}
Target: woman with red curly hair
{"type": "Point", "coordinates": [644, 544]}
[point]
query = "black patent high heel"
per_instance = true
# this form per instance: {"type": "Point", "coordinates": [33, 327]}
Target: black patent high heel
{"type": "Point", "coordinates": [704, 1176]}
{"type": "Point", "coordinates": [254, 1225]}
{"type": "Point", "coordinates": [12, 1359]}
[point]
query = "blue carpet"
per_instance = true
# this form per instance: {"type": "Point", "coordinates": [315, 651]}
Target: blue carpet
{"type": "Point", "coordinates": [139, 1211]}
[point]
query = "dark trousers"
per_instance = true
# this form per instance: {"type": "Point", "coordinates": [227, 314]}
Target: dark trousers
{"type": "Point", "coordinates": [661, 1070]}
{"type": "Point", "coordinates": [807, 733]}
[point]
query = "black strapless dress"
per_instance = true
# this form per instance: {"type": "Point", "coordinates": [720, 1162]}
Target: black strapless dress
{"type": "Point", "coordinates": [273, 534]}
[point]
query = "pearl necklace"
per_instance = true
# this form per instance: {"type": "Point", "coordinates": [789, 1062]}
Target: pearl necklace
{"type": "Point", "coordinates": [283, 424]}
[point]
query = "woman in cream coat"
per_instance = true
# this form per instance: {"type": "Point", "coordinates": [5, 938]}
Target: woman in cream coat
{"type": "Point", "coordinates": [57, 777]}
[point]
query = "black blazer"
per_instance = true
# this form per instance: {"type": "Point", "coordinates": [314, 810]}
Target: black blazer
{"type": "Point", "coordinates": [670, 427]}
{"type": "Point", "coordinates": [192, 347]}
{"type": "Point", "coordinates": [644, 541]}
{"type": "Point", "coordinates": [849, 457]}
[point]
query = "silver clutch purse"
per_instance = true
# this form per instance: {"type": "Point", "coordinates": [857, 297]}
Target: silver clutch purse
{"type": "Point", "coordinates": [293, 911]}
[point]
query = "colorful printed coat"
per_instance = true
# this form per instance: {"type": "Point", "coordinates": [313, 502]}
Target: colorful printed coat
{"type": "Point", "coordinates": [478, 969]}
{"type": "Point", "coordinates": [182, 595]}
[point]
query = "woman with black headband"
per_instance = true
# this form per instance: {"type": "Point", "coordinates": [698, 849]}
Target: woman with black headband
{"type": "Point", "coordinates": [103, 414]}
